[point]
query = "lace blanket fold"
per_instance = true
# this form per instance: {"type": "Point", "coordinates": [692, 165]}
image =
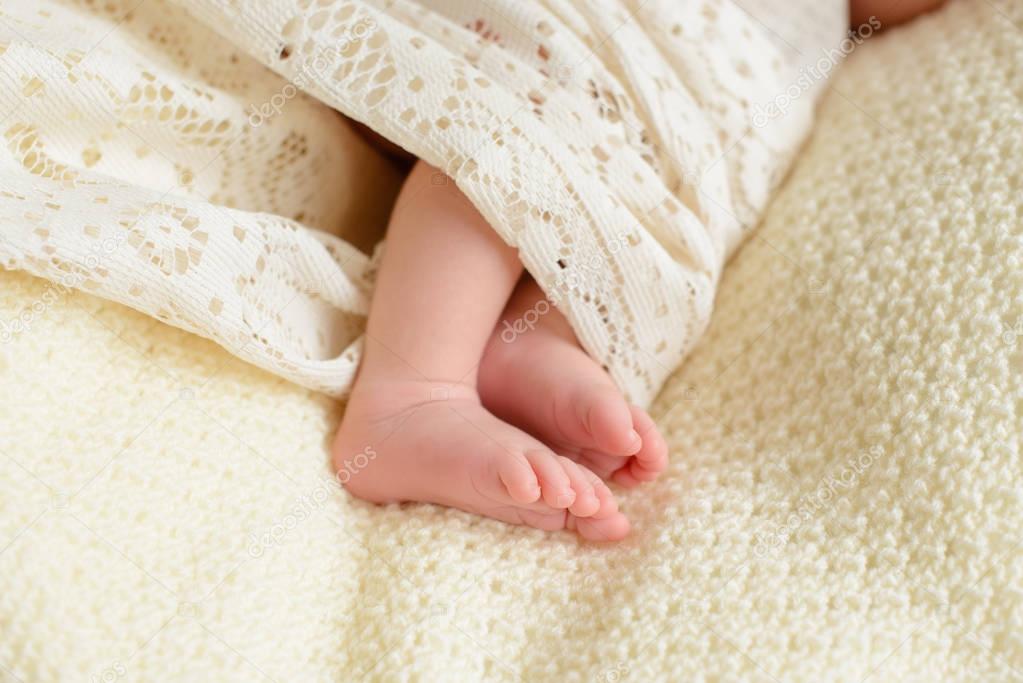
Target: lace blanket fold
{"type": "Point", "coordinates": [185, 158]}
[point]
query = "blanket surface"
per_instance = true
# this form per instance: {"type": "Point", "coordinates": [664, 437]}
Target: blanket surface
{"type": "Point", "coordinates": [615, 144]}
{"type": "Point", "coordinates": [843, 502]}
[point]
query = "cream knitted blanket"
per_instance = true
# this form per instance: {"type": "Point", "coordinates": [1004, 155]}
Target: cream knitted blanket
{"type": "Point", "coordinates": [843, 502]}
{"type": "Point", "coordinates": [621, 146]}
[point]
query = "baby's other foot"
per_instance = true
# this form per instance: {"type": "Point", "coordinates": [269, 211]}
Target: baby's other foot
{"type": "Point", "coordinates": [539, 379]}
{"type": "Point", "coordinates": [435, 443]}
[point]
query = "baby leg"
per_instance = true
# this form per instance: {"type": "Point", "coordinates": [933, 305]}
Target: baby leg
{"type": "Point", "coordinates": [415, 412]}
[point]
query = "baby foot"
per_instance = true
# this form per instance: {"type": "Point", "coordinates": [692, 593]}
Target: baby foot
{"type": "Point", "coordinates": [435, 443]}
{"type": "Point", "coordinates": [542, 381]}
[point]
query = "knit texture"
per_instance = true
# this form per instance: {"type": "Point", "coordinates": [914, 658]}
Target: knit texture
{"type": "Point", "coordinates": [843, 500]}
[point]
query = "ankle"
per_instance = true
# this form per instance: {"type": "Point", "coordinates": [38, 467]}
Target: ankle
{"type": "Point", "coordinates": [414, 388]}
{"type": "Point", "coordinates": [378, 370]}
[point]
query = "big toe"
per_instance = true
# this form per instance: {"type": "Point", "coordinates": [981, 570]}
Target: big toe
{"type": "Point", "coordinates": [606, 419]}
{"type": "Point", "coordinates": [519, 479]}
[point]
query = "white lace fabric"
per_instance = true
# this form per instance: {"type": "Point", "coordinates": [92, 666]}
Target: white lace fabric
{"type": "Point", "coordinates": [185, 158]}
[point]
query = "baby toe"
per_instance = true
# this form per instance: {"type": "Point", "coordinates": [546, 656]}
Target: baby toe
{"type": "Point", "coordinates": [550, 520]}
{"type": "Point", "coordinates": [624, 478]}
{"type": "Point", "coordinates": [555, 486]}
{"type": "Point", "coordinates": [640, 473]}
{"type": "Point", "coordinates": [608, 503]}
{"type": "Point", "coordinates": [586, 502]}
{"type": "Point", "coordinates": [519, 479]}
{"type": "Point", "coordinates": [609, 421]}
{"type": "Point", "coordinates": [601, 464]}
{"type": "Point", "coordinates": [612, 528]}
{"type": "Point", "coordinates": [652, 456]}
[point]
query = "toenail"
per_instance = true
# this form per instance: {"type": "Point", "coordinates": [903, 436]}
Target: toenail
{"type": "Point", "coordinates": [565, 499]}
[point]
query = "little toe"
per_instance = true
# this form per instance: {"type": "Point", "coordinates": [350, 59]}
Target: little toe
{"type": "Point", "coordinates": [624, 477]}
{"type": "Point", "coordinates": [545, 520]}
{"type": "Point", "coordinates": [555, 486]}
{"type": "Point", "coordinates": [640, 473]}
{"type": "Point", "coordinates": [601, 464]}
{"type": "Point", "coordinates": [586, 502]}
{"type": "Point", "coordinates": [633, 474]}
{"type": "Point", "coordinates": [612, 528]}
{"type": "Point", "coordinates": [519, 479]}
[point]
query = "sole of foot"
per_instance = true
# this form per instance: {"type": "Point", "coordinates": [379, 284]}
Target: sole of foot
{"type": "Point", "coordinates": [436, 443]}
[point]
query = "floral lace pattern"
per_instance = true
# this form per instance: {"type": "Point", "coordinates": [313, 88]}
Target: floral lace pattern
{"type": "Point", "coordinates": [151, 157]}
